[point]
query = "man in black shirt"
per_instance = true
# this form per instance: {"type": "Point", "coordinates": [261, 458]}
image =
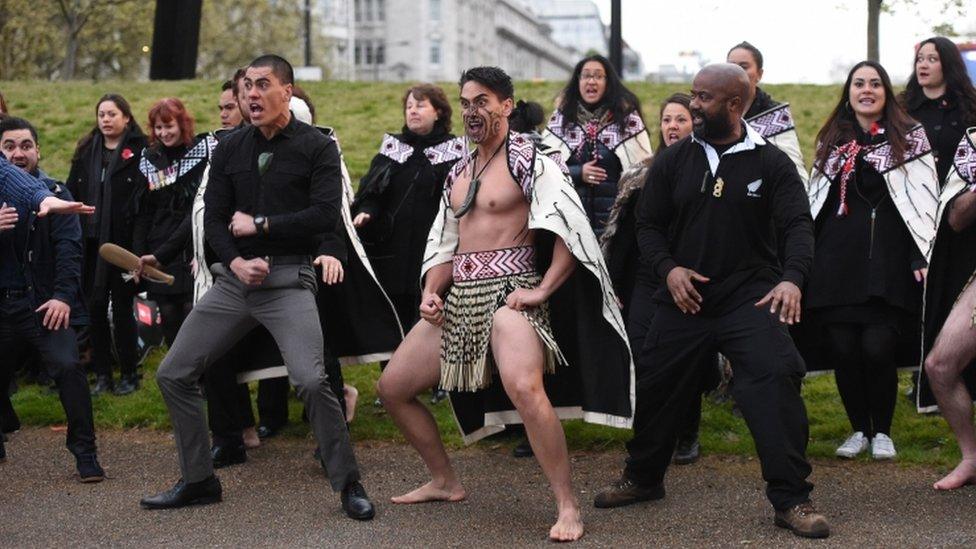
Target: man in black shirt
{"type": "Point", "coordinates": [274, 192]}
{"type": "Point", "coordinates": [707, 223]}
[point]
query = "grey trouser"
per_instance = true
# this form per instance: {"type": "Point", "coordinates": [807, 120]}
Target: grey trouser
{"type": "Point", "coordinates": [285, 305]}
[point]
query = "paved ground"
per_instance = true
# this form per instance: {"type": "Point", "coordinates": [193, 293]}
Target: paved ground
{"type": "Point", "coordinates": [280, 498]}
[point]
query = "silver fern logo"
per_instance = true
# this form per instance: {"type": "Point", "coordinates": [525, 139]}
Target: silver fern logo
{"type": "Point", "coordinates": [752, 189]}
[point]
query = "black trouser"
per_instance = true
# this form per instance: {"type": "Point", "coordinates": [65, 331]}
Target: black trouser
{"type": "Point", "coordinates": [173, 308]}
{"type": "Point", "coordinates": [767, 370]}
{"type": "Point", "coordinates": [867, 378]}
{"type": "Point", "coordinates": [639, 318]}
{"type": "Point", "coordinates": [20, 330]}
{"type": "Point", "coordinates": [120, 293]}
{"type": "Point", "coordinates": [228, 402]}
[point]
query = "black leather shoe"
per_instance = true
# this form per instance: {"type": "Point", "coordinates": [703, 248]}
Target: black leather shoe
{"type": "Point", "coordinates": [183, 494]}
{"type": "Point", "coordinates": [103, 385]}
{"type": "Point", "coordinates": [88, 468]}
{"type": "Point", "coordinates": [523, 449]}
{"type": "Point", "coordinates": [626, 492]}
{"type": "Point", "coordinates": [687, 452]}
{"type": "Point", "coordinates": [266, 432]}
{"type": "Point", "coordinates": [224, 456]}
{"type": "Point", "coordinates": [356, 503]}
{"type": "Point", "coordinates": [438, 395]}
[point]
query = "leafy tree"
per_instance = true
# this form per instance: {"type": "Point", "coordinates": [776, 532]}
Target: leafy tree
{"type": "Point", "coordinates": [233, 32]}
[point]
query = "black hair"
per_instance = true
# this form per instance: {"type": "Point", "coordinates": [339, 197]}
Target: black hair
{"type": "Point", "coordinates": [756, 54]}
{"type": "Point", "coordinates": [959, 89]}
{"type": "Point", "coordinates": [235, 81]}
{"type": "Point", "coordinates": [493, 78]}
{"type": "Point", "coordinates": [12, 123]}
{"type": "Point", "coordinates": [227, 85]}
{"type": "Point", "coordinates": [526, 116]}
{"type": "Point", "coordinates": [621, 101]}
{"type": "Point", "coordinates": [279, 66]}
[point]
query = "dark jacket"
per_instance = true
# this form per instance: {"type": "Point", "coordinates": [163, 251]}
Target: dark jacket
{"type": "Point", "coordinates": [597, 199]}
{"type": "Point", "coordinates": [53, 262]}
{"type": "Point", "coordinates": [401, 192]}
{"type": "Point", "coordinates": [944, 126]}
{"type": "Point", "coordinates": [762, 103]}
{"type": "Point", "coordinates": [163, 204]}
{"type": "Point", "coordinates": [114, 198]}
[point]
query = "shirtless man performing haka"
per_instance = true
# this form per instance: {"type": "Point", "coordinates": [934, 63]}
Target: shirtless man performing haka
{"type": "Point", "coordinates": [487, 305]}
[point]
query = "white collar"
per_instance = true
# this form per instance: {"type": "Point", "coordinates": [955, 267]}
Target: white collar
{"type": "Point", "coordinates": [751, 141]}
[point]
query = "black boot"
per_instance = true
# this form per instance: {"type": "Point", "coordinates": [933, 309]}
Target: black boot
{"type": "Point", "coordinates": [129, 383]}
{"type": "Point", "coordinates": [356, 503]}
{"type": "Point", "coordinates": [523, 449]}
{"type": "Point", "coordinates": [687, 451]}
{"type": "Point", "coordinates": [183, 494]}
{"type": "Point", "coordinates": [89, 470]}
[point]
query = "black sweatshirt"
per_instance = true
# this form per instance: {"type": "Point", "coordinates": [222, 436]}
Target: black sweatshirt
{"type": "Point", "coordinates": [732, 239]}
{"type": "Point", "coordinates": [300, 192]}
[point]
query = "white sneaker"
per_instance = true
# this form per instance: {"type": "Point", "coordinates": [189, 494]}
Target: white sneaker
{"type": "Point", "coordinates": [882, 447]}
{"type": "Point", "coordinates": [854, 445]}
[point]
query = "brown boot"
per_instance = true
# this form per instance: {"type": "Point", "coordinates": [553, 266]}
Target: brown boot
{"type": "Point", "coordinates": [804, 521]}
{"type": "Point", "coordinates": [626, 492]}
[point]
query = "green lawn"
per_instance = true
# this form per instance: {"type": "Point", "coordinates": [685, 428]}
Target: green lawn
{"type": "Point", "coordinates": [361, 112]}
{"type": "Point", "coordinates": [919, 439]}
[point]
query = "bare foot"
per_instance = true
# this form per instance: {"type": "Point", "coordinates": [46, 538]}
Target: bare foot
{"type": "Point", "coordinates": [569, 525]}
{"type": "Point", "coordinates": [432, 492]}
{"type": "Point", "coordinates": [251, 440]}
{"type": "Point", "coordinates": [350, 395]}
{"type": "Point", "coordinates": [963, 474]}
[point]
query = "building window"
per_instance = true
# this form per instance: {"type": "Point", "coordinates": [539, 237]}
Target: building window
{"type": "Point", "coordinates": [435, 52]}
{"type": "Point", "coordinates": [435, 10]}
{"type": "Point", "coordinates": [380, 10]}
{"type": "Point", "coordinates": [369, 53]}
{"type": "Point", "coordinates": [380, 53]}
{"type": "Point", "coordinates": [358, 51]}
{"type": "Point", "coordinates": [358, 7]}
{"type": "Point", "coordinates": [368, 10]}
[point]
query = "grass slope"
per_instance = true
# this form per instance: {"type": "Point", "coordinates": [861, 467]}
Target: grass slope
{"type": "Point", "coordinates": [361, 112]}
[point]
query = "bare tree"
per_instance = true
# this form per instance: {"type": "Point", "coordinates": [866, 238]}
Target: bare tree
{"type": "Point", "coordinates": [75, 14]}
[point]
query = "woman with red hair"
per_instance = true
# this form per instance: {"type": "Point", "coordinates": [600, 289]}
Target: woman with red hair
{"type": "Point", "coordinates": [172, 167]}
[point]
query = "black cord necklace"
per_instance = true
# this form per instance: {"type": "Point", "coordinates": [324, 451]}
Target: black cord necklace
{"type": "Point", "coordinates": [475, 184]}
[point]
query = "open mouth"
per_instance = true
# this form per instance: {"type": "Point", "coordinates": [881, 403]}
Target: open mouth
{"type": "Point", "coordinates": [867, 101]}
{"type": "Point", "coordinates": [22, 164]}
{"type": "Point", "coordinates": [673, 136]}
{"type": "Point", "coordinates": [255, 109]}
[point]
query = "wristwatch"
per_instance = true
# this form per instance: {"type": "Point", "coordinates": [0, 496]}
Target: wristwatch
{"type": "Point", "coordinates": [261, 224]}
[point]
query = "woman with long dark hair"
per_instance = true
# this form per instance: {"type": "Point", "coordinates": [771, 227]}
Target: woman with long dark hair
{"type": "Point", "coordinates": [597, 126]}
{"type": "Point", "coordinates": [105, 174]}
{"type": "Point", "coordinates": [941, 96]}
{"type": "Point", "coordinates": [873, 196]}
{"type": "Point", "coordinates": [171, 169]}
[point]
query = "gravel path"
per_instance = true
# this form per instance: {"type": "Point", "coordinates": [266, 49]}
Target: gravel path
{"type": "Point", "coordinates": [281, 498]}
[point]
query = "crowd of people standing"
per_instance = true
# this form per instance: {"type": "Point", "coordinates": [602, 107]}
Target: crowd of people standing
{"type": "Point", "coordinates": [711, 248]}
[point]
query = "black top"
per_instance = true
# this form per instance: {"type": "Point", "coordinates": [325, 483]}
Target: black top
{"type": "Point", "coordinates": [299, 193]}
{"type": "Point", "coordinates": [944, 126]}
{"type": "Point", "coordinates": [161, 214]}
{"type": "Point", "coordinates": [854, 263]}
{"type": "Point", "coordinates": [732, 238]}
{"type": "Point", "coordinates": [402, 200]}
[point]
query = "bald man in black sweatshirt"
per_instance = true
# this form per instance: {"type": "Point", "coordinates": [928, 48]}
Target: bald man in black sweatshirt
{"type": "Point", "coordinates": [713, 210]}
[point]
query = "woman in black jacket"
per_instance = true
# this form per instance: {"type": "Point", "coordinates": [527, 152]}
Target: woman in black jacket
{"type": "Point", "coordinates": [105, 174]}
{"type": "Point", "coordinates": [873, 197]}
{"type": "Point", "coordinates": [940, 95]}
{"type": "Point", "coordinates": [598, 129]}
{"type": "Point", "coordinates": [399, 196]}
{"type": "Point", "coordinates": [171, 169]}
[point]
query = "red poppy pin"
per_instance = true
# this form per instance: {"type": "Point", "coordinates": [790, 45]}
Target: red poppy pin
{"type": "Point", "coordinates": [876, 128]}
{"type": "Point", "coordinates": [126, 154]}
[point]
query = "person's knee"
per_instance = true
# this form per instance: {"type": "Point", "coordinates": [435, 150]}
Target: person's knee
{"type": "Point", "coordinates": [524, 390]}
{"type": "Point", "coordinates": [938, 368]}
{"type": "Point", "coordinates": [307, 380]}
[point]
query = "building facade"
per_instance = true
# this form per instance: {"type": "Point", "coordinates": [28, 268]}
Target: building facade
{"type": "Point", "coordinates": [434, 40]}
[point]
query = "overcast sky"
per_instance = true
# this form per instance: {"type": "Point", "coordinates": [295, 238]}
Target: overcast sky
{"type": "Point", "coordinates": [801, 41]}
